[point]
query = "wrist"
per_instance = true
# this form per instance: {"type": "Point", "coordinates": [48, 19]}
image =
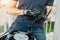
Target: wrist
{"type": "Point", "coordinates": [24, 12]}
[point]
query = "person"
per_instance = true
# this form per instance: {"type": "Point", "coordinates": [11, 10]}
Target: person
{"type": "Point", "coordinates": [25, 23]}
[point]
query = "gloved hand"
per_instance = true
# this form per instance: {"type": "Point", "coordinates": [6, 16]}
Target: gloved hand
{"type": "Point", "coordinates": [41, 17]}
{"type": "Point", "coordinates": [33, 13]}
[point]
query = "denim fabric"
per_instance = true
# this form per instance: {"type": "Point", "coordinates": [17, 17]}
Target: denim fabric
{"type": "Point", "coordinates": [23, 25]}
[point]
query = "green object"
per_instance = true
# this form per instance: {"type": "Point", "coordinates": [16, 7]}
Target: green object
{"type": "Point", "coordinates": [52, 26]}
{"type": "Point", "coordinates": [1, 29]}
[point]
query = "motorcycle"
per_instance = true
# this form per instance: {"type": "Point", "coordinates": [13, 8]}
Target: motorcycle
{"type": "Point", "coordinates": [18, 35]}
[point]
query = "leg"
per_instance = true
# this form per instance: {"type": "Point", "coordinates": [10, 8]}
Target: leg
{"type": "Point", "coordinates": [38, 33]}
{"type": "Point", "coordinates": [17, 26]}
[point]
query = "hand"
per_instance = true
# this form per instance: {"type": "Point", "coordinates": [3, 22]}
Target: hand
{"type": "Point", "coordinates": [41, 18]}
{"type": "Point", "coordinates": [33, 13]}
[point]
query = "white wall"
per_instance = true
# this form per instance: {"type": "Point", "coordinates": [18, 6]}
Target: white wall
{"type": "Point", "coordinates": [57, 22]}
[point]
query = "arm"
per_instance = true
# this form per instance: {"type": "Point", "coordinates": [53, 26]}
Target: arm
{"type": "Point", "coordinates": [49, 5]}
{"type": "Point", "coordinates": [14, 11]}
{"type": "Point", "coordinates": [12, 8]}
{"type": "Point", "coordinates": [49, 8]}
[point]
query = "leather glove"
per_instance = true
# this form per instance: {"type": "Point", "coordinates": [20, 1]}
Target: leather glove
{"type": "Point", "coordinates": [41, 17]}
{"type": "Point", "coordinates": [33, 13]}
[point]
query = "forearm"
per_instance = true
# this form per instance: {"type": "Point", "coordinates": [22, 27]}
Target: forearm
{"type": "Point", "coordinates": [49, 8]}
{"type": "Point", "coordinates": [15, 11]}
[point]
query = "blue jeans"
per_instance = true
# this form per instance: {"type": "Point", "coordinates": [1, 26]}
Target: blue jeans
{"type": "Point", "coordinates": [26, 26]}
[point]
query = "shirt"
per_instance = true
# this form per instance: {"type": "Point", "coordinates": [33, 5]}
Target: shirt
{"type": "Point", "coordinates": [31, 4]}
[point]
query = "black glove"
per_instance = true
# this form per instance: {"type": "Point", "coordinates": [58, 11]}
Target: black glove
{"type": "Point", "coordinates": [33, 13]}
{"type": "Point", "coordinates": [41, 17]}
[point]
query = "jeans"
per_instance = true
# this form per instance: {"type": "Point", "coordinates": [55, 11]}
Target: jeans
{"type": "Point", "coordinates": [36, 29]}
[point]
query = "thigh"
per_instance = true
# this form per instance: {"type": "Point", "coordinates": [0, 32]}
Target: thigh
{"type": "Point", "coordinates": [39, 33]}
{"type": "Point", "coordinates": [17, 26]}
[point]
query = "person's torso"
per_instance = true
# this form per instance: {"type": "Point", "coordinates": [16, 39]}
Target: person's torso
{"type": "Point", "coordinates": [28, 5]}
{"type": "Point", "coordinates": [31, 4]}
